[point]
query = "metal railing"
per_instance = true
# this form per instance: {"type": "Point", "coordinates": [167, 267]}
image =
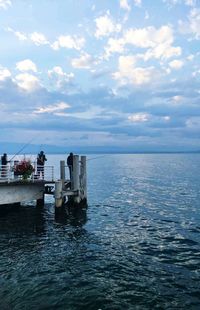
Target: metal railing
{"type": "Point", "coordinates": [8, 173]}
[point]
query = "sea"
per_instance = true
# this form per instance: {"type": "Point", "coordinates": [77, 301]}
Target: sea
{"type": "Point", "coordinates": [135, 246]}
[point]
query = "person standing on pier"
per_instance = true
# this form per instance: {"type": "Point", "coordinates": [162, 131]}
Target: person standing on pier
{"type": "Point", "coordinates": [70, 165]}
{"type": "Point", "coordinates": [41, 158]}
{"type": "Point", "coordinates": [4, 161]}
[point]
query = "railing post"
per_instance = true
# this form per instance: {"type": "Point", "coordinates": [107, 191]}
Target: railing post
{"type": "Point", "coordinates": [8, 173]}
{"type": "Point", "coordinates": [52, 173]}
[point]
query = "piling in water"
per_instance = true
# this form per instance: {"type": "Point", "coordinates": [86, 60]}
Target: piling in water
{"type": "Point", "coordinates": [77, 194]}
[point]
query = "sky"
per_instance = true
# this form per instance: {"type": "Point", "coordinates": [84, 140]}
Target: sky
{"type": "Point", "coordinates": [106, 74]}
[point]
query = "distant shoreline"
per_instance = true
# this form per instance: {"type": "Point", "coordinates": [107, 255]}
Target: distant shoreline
{"type": "Point", "coordinates": [111, 153]}
{"type": "Point", "coordinates": [27, 148]}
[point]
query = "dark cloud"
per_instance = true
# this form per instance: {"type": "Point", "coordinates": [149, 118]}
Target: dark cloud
{"type": "Point", "coordinates": [111, 116]}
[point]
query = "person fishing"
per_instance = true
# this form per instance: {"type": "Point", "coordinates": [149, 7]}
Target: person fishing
{"type": "Point", "coordinates": [4, 161]}
{"type": "Point", "coordinates": [70, 165]}
{"type": "Point", "coordinates": [41, 158]}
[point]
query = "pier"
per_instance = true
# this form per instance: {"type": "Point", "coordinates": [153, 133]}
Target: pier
{"type": "Point", "coordinates": [69, 190]}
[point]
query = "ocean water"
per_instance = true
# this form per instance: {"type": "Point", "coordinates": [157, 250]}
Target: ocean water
{"type": "Point", "coordinates": [136, 246]}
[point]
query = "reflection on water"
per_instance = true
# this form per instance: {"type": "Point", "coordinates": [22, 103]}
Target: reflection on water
{"type": "Point", "coordinates": [135, 247]}
{"type": "Point", "coordinates": [23, 220]}
{"type": "Point", "coordinates": [73, 216]}
{"type": "Point", "coordinates": [29, 219]}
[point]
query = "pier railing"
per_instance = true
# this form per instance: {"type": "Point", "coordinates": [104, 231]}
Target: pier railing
{"type": "Point", "coordinates": [8, 173]}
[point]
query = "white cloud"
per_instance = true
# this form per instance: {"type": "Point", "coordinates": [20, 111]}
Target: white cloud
{"type": "Point", "coordinates": [105, 26]}
{"type": "Point", "coordinates": [129, 74]}
{"type": "Point", "coordinates": [166, 118]}
{"type": "Point", "coordinates": [171, 3]}
{"type": "Point", "coordinates": [56, 70]}
{"type": "Point", "coordinates": [176, 64]}
{"type": "Point", "coordinates": [53, 108]}
{"type": "Point", "coordinates": [146, 15]}
{"type": "Point", "coordinates": [114, 46]}
{"type": "Point", "coordinates": [93, 112]}
{"type": "Point", "coordinates": [192, 25]}
{"type": "Point", "coordinates": [190, 2]}
{"type": "Point", "coordinates": [60, 77]}
{"type": "Point", "coordinates": [126, 62]}
{"type": "Point", "coordinates": [4, 73]}
{"type": "Point", "coordinates": [149, 36]}
{"type": "Point", "coordinates": [38, 38]}
{"type": "Point", "coordinates": [59, 72]}
{"type": "Point", "coordinates": [139, 117]}
{"type": "Point", "coordinates": [27, 82]}
{"type": "Point", "coordinates": [125, 5]}
{"type": "Point", "coordinates": [85, 61]}
{"type": "Point", "coordinates": [159, 41]}
{"type": "Point", "coordinates": [139, 37]}
{"type": "Point", "coordinates": [195, 22]}
{"type": "Point", "coordinates": [177, 99]}
{"type": "Point", "coordinates": [4, 4]}
{"type": "Point", "coordinates": [196, 73]}
{"type": "Point", "coordinates": [162, 51]}
{"type": "Point", "coordinates": [145, 117]}
{"type": "Point", "coordinates": [167, 70]}
{"type": "Point", "coordinates": [138, 2]}
{"type": "Point", "coordinates": [70, 42]}
{"type": "Point", "coordinates": [26, 65]}
{"type": "Point", "coordinates": [21, 36]}
{"type": "Point", "coordinates": [190, 57]}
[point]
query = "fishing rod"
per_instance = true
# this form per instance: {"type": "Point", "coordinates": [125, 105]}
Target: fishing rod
{"type": "Point", "coordinates": [24, 146]}
{"type": "Point", "coordinates": [98, 157]}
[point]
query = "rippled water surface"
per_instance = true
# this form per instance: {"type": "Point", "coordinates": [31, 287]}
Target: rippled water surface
{"type": "Point", "coordinates": [136, 246]}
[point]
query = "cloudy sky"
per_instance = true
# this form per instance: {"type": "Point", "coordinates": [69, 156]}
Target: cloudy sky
{"type": "Point", "coordinates": [101, 73]}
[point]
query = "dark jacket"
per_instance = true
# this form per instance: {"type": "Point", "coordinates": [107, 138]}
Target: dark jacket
{"type": "Point", "coordinates": [41, 159]}
{"type": "Point", "coordinates": [70, 160]}
{"type": "Point", "coordinates": [4, 160]}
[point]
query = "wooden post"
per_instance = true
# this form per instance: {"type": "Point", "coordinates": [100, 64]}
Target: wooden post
{"type": "Point", "coordinates": [76, 180]}
{"type": "Point", "coordinates": [83, 179]}
{"type": "Point", "coordinates": [62, 172]}
{"type": "Point", "coordinates": [40, 202]}
{"type": "Point", "coordinates": [58, 194]}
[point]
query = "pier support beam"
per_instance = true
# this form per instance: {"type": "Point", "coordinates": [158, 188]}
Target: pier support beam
{"type": "Point", "coordinates": [83, 179]}
{"type": "Point", "coordinates": [77, 194]}
{"type": "Point", "coordinates": [58, 194]}
{"type": "Point", "coordinates": [40, 202]}
{"type": "Point", "coordinates": [62, 172]}
{"type": "Point", "coordinates": [75, 178]}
